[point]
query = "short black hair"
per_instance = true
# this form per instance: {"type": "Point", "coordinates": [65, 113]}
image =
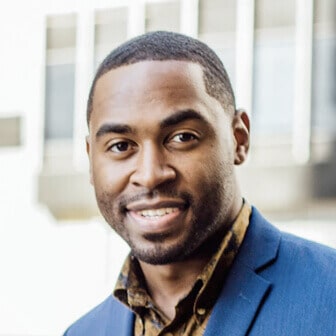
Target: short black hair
{"type": "Point", "coordinates": [164, 46]}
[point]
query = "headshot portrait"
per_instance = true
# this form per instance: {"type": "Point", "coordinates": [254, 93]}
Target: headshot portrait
{"type": "Point", "coordinates": [168, 168]}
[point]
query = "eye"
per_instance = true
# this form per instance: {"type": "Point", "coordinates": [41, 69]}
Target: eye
{"type": "Point", "coordinates": [183, 137]}
{"type": "Point", "coordinates": [120, 147]}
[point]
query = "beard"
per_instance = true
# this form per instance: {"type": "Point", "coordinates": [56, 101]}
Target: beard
{"type": "Point", "coordinates": [209, 209]}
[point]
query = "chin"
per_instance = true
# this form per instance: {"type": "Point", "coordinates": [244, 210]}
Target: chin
{"type": "Point", "coordinates": [159, 255]}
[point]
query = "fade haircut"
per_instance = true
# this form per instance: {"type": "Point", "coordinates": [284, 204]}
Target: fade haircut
{"type": "Point", "coordinates": [166, 46]}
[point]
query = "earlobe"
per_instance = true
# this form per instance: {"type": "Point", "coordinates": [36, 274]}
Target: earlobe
{"type": "Point", "coordinates": [241, 131]}
{"type": "Point", "coordinates": [88, 148]}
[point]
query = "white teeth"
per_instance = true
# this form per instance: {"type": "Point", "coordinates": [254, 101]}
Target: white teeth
{"type": "Point", "coordinates": [156, 212]}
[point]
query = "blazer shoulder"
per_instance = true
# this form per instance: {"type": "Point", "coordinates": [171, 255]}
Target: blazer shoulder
{"type": "Point", "coordinates": [304, 272]}
{"type": "Point", "coordinates": [319, 257]}
{"type": "Point", "coordinates": [263, 237]}
{"type": "Point", "coordinates": [108, 314]}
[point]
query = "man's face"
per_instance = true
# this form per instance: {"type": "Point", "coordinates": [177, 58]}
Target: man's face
{"type": "Point", "coordinates": [162, 153]}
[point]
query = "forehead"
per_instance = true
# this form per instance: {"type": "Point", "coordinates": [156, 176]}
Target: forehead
{"type": "Point", "coordinates": [152, 88]}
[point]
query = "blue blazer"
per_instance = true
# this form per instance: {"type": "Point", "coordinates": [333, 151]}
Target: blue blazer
{"type": "Point", "coordinates": [279, 285]}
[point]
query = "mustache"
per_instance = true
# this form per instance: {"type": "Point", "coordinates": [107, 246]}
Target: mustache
{"type": "Point", "coordinates": [124, 200]}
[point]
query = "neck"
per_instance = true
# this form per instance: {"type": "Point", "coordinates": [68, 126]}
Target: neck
{"type": "Point", "coordinates": [168, 284]}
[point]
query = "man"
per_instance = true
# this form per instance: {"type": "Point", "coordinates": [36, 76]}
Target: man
{"type": "Point", "coordinates": [164, 139]}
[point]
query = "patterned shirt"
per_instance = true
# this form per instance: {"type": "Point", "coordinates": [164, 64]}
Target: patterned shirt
{"type": "Point", "coordinates": [193, 311]}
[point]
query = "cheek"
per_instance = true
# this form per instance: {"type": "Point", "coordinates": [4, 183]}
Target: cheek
{"type": "Point", "coordinates": [212, 172]}
{"type": "Point", "coordinates": [226, 152]}
{"type": "Point", "coordinates": [108, 176]}
{"type": "Point", "coordinates": [198, 171]}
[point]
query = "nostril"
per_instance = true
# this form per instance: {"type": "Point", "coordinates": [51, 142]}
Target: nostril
{"type": "Point", "coordinates": [151, 177]}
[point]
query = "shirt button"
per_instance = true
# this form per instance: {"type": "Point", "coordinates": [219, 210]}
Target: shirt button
{"type": "Point", "coordinates": [201, 311]}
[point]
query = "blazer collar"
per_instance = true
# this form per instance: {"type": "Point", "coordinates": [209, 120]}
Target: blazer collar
{"type": "Point", "coordinates": [261, 243]}
{"type": "Point", "coordinates": [244, 289]}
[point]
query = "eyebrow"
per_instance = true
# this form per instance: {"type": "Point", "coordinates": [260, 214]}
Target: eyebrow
{"type": "Point", "coordinates": [181, 116]}
{"type": "Point", "coordinates": [113, 128]}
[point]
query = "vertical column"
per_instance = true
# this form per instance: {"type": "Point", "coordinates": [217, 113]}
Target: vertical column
{"type": "Point", "coordinates": [189, 17]}
{"type": "Point", "coordinates": [244, 53]}
{"type": "Point", "coordinates": [303, 77]}
{"type": "Point", "coordinates": [136, 18]}
{"type": "Point", "coordinates": [83, 77]}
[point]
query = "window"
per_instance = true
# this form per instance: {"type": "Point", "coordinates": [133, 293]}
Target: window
{"type": "Point", "coordinates": [163, 16]}
{"type": "Point", "coordinates": [324, 69]}
{"type": "Point", "coordinates": [217, 27]}
{"type": "Point", "coordinates": [110, 31]}
{"type": "Point", "coordinates": [10, 131]}
{"type": "Point", "coordinates": [60, 77]}
{"type": "Point", "coordinates": [274, 65]}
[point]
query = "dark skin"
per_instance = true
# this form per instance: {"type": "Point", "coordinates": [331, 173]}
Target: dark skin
{"type": "Point", "coordinates": [162, 153]}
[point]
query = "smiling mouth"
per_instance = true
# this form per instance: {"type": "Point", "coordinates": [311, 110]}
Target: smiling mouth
{"type": "Point", "coordinates": [157, 217]}
{"type": "Point", "coordinates": [156, 213]}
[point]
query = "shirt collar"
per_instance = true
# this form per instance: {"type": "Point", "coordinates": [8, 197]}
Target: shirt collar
{"type": "Point", "coordinates": [131, 287]}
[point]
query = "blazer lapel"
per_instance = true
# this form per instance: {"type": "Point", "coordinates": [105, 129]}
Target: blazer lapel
{"type": "Point", "coordinates": [244, 290]}
{"type": "Point", "coordinates": [238, 303]}
{"type": "Point", "coordinates": [120, 320]}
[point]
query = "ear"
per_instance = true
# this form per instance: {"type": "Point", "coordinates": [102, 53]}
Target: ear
{"type": "Point", "coordinates": [241, 132]}
{"type": "Point", "coordinates": [88, 151]}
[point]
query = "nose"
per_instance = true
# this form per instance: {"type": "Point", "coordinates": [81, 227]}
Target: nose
{"type": "Point", "coordinates": [152, 168]}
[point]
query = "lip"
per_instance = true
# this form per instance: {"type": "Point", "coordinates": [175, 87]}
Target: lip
{"type": "Point", "coordinates": [157, 224]}
{"type": "Point", "coordinates": [156, 204]}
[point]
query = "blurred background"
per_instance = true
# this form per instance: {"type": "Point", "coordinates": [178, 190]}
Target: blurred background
{"type": "Point", "coordinates": [57, 256]}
